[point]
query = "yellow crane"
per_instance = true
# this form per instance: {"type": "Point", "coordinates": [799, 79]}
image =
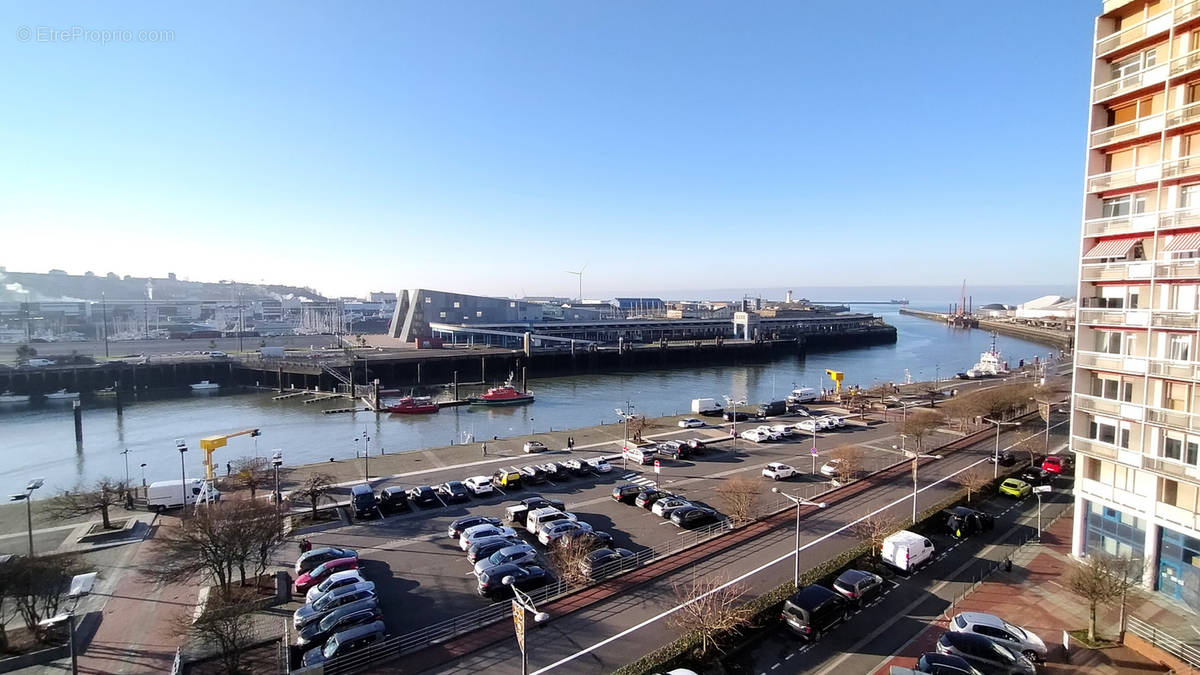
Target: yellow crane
{"type": "Point", "coordinates": [211, 443]}
{"type": "Point", "coordinates": [836, 376]}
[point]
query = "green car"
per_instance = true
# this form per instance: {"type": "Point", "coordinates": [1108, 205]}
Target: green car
{"type": "Point", "coordinates": [1015, 488]}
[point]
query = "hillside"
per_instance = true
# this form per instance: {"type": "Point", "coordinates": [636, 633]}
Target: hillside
{"type": "Point", "coordinates": [34, 287]}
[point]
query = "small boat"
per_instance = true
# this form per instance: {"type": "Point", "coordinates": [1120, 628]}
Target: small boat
{"type": "Point", "coordinates": [204, 385]}
{"type": "Point", "coordinates": [413, 405]}
{"type": "Point", "coordinates": [990, 365]}
{"type": "Point", "coordinates": [503, 395]}
{"type": "Point", "coordinates": [107, 392]}
{"type": "Point", "coordinates": [9, 397]}
{"type": "Point", "coordinates": [62, 395]}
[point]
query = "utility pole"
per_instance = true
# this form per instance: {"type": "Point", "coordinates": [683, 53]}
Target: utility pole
{"type": "Point", "coordinates": [104, 317]}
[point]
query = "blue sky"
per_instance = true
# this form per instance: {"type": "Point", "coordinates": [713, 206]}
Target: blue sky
{"type": "Point", "coordinates": [490, 146]}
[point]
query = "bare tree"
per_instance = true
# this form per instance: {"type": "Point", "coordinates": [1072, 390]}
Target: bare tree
{"type": "Point", "coordinates": [873, 530]}
{"type": "Point", "coordinates": [712, 609]}
{"type": "Point", "coordinates": [9, 579]}
{"type": "Point", "coordinates": [973, 481]}
{"type": "Point", "coordinates": [211, 544]}
{"type": "Point", "coordinates": [565, 558]}
{"type": "Point", "coordinates": [963, 409]}
{"type": "Point", "coordinates": [851, 461]}
{"type": "Point", "coordinates": [637, 424]}
{"type": "Point", "coordinates": [38, 585]}
{"type": "Point", "coordinates": [1101, 579]}
{"type": "Point", "coordinates": [742, 499]}
{"type": "Point", "coordinates": [881, 391]}
{"type": "Point", "coordinates": [921, 423]}
{"type": "Point", "coordinates": [860, 401]}
{"type": "Point", "coordinates": [252, 473]}
{"type": "Point", "coordinates": [99, 497]}
{"type": "Point", "coordinates": [226, 626]}
{"type": "Point", "coordinates": [314, 488]}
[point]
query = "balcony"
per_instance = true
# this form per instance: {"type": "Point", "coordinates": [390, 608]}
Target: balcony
{"type": "Point", "coordinates": [1125, 177]}
{"type": "Point", "coordinates": [1184, 12]}
{"type": "Point", "coordinates": [1176, 218]}
{"type": "Point", "coordinates": [1138, 222]}
{"type": "Point", "coordinates": [1138, 31]}
{"type": "Point", "coordinates": [1175, 319]}
{"type": "Point", "coordinates": [1114, 317]}
{"type": "Point", "coordinates": [1176, 117]}
{"type": "Point", "coordinates": [1178, 370]}
{"type": "Point", "coordinates": [1138, 269]}
{"type": "Point", "coordinates": [1095, 448]}
{"type": "Point", "coordinates": [1133, 129]}
{"type": "Point", "coordinates": [1182, 269]}
{"type": "Point", "coordinates": [1182, 65]}
{"type": "Point", "coordinates": [1111, 362]}
{"type": "Point", "coordinates": [1172, 468]}
{"type": "Point", "coordinates": [1174, 419]}
{"type": "Point", "coordinates": [1141, 79]}
{"type": "Point", "coordinates": [1184, 166]}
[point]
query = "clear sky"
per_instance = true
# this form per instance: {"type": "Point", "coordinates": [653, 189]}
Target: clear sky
{"type": "Point", "coordinates": [489, 146]}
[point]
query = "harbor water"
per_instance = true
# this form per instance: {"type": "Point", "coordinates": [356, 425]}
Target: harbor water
{"type": "Point", "coordinates": [39, 441]}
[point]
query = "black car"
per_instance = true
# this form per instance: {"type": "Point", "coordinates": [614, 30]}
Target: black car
{"type": "Point", "coordinates": [491, 583]}
{"type": "Point", "coordinates": [456, 528]}
{"type": "Point", "coordinates": [423, 496]}
{"type": "Point", "coordinates": [858, 586]}
{"type": "Point", "coordinates": [813, 610]}
{"type": "Point", "coordinates": [626, 493]}
{"type": "Point", "coordinates": [488, 545]}
{"type": "Point", "coordinates": [735, 416]}
{"type": "Point", "coordinates": [984, 654]}
{"type": "Point", "coordinates": [1036, 476]}
{"type": "Point", "coordinates": [1006, 458]}
{"type": "Point", "coordinates": [534, 502]}
{"type": "Point", "coordinates": [688, 517]}
{"type": "Point", "coordinates": [944, 664]}
{"type": "Point", "coordinates": [589, 539]}
{"type": "Point", "coordinates": [604, 561]}
{"type": "Point", "coordinates": [648, 496]}
{"type": "Point", "coordinates": [964, 522]}
{"type": "Point", "coordinates": [454, 491]}
{"type": "Point", "coordinates": [695, 445]}
{"type": "Point", "coordinates": [533, 475]}
{"type": "Point", "coordinates": [576, 467]}
{"type": "Point", "coordinates": [393, 499]}
{"type": "Point", "coordinates": [311, 559]}
{"type": "Point", "coordinates": [363, 611]}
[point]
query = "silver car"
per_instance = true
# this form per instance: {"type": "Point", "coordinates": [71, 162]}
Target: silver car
{"type": "Point", "coordinates": [998, 630]}
{"type": "Point", "coordinates": [518, 554]}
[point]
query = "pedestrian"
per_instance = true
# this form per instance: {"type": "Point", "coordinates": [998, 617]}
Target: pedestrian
{"type": "Point", "coordinates": [485, 449]}
{"type": "Point", "coordinates": [305, 545]}
{"type": "Point", "coordinates": [228, 469]}
{"type": "Point", "coordinates": [570, 442]}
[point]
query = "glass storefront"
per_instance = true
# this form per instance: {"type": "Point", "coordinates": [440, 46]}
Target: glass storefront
{"type": "Point", "coordinates": [1116, 533]}
{"type": "Point", "coordinates": [1179, 568]}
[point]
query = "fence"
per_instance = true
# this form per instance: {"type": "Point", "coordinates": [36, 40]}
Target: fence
{"type": "Point", "coordinates": [1172, 645]}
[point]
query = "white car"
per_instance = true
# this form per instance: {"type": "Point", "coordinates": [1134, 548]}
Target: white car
{"type": "Point", "coordinates": [479, 485]}
{"type": "Point", "coordinates": [783, 430]}
{"type": "Point", "coordinates": [667, 505]}
{"type": "Point", "coordinates": [823, 422]}
{"type": "Point", "coordinates": [599, 465]}
{"type": "Point", "coordinates": [534, 446]}
{"type": "Point", "coordinates": [335, 580]}
{"type": "Point", "coordinates": [777, 471]}
{"type": "Point", "coordinates": [832, 421]}
{"type": "Point", "coordinates": [690, 423]}
{"type": "Point", "coordinates": [479, 531]}
{"type": "Point", "coordinates": [552, 531]}
{"type": "Point", "coordinates": [769, 432]}
{"type": "Point", "coordinates": [832, 468]}
{"type": "Point", "coordinates": [754, 435]}
{"type": "Point", "coordinates": [808, 426]}
{"type": "Point", "coordinates": [574, 465]}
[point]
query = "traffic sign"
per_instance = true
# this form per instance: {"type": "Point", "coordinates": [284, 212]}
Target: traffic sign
{"type": "Point", "coordinates": [1041, 488]}
{"type": "Point", "coordinates": [519, 623]}
{"type": "Point", "coordinates": [814, 452]}
{"type": "Point", "coordinates": [656, 466]}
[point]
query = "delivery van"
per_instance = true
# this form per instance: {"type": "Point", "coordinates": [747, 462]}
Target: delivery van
{"type": "Point", "coordinates": [169, 494]}
{"type": "Point", "coordinates": [706, 406]}
{"type": "Point", "coordinates": [906, 550]}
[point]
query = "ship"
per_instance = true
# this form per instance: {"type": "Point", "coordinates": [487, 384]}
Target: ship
{"type": "Point", "coordinates": [62, 395]}
{"type": "Point", "coordinates": [990, 365]}
{"type": "Point", "coordinates": [506, 394]}
{"type": "Point", "coordinates": [413, 405]}
{"type": "Point", "coordinates": [204, 385]}
{"type": "Point", "coordinates": [9, 397]}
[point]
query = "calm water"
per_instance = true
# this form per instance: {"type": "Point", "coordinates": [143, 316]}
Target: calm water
{"type": "Point", "coordinates": [41, 442]}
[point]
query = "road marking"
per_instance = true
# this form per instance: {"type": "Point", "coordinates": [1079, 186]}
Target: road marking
{"type": "Point", "coordinates": [439, 498]}
{"type": "Point", "coordinates": [502, 492]}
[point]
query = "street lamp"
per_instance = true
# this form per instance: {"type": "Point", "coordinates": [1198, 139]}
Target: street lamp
{"type": "Point", "coordinates": [915, 456]}
{"type": "Point", "coordinates": [996, 456]}
{"type": "Point", "coordinates": [276, 461]}
{"type": "Point", "coordinates": [1048, 405]}
{"type": "Point", "coordinates": [625, 435]}
{"type": "Point", "coordinates": [181, 446]}
{"type": "Point", "coordinates": [729, 405]}
{"type": "Point", "coordinates": [522, 603]}
{"type": "Point", "coordinates": [143, 474]}
{"type": "Point", "coordinates": [1037, 492]}
{"type": "Point", "coordinates": [81, 585]}
{"type": "Point", "coordinates": [27, 497]}
{"type": "Point", "coordinates": [366, 454]}
{"type": "Point", "coordinates": [126, 453]}
{"type": "Point", "coordinates": [800, 501]}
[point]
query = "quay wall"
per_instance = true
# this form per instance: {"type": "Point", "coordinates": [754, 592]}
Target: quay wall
{"type": "Point", "coordinates": [1062, 339]}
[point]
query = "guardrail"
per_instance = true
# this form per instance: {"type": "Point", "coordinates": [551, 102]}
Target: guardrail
{"type": "Point", "coordinates": [1168, 643]}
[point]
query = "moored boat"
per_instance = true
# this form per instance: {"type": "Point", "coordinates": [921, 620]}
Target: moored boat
{"type": "Point", "coordinates": [204, 385]}
{"type": "Point", "coordinates": [990, 365]}
{"type": "Point", "coordinates": [413, 405]}
{"type": "Point", "coordinates": [62, 395]}
{"type": "Point", "coordinates": [9, 397]}
{"type": "Point", "coordinates": [502, 395]}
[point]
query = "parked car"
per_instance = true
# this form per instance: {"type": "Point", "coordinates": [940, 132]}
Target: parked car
{"type": "Point", "coordinates": [784, 430]}
{"type": "Point", "coordinates": [736, 416]}
{"type": "Point", "coordinates": [532, 475]}
{"type": "Point", "coordinates": [808, 426]}
{"type": "Point", "coordinates": [607, 561]}
{"type": "Point", "coordinates": [599, 465]}
{"type": "Point", "coordinates": [538, 517]}
{"type": "Point", "coordinates": [984, 654]}
{"type": "Point", "coordinates": [323, 571]}
{"type": "Point", "coordinates": [517, 554]}
{"type": "Point", "coordinates": [665, 507]}
{"type": "Point", "coordinates": [393, 499]}
{"type": "Point", "coordinates": [1057, 464]}
{"type": "Point", "coordinates": [454, 491]}
{"type": "Point", "coordinates": [474, 533]}
{"type": "Point", "coordinates": [964, 522]}
{"type": "Point", "coordinates": [577, 467]}
{"type": "Point", "coordinates": [690, 423]}
{"type": "Point", "coordinates": [696, 445]}
{"type": "Point", "coordinates": [770, 432]}
{"type": "Point", "coordinates": [339, 597]}
{"type": "Point", "coordinates": [638, 455]}
{"type": "Point", "coordinates": [688, 517]}
{"type": "Point", "coordinates": [627, 493]}
{"type": "Point", "coordinates": [507, 478]}
{"type": "Point", "coordinates": [456, 528]}
{"type": "Point", "coordinates": [998, 630]}
{"type": "Point", "coordinates": [550, 470]}
{"type": "Point", "coordinates": [858, 586]}
{"type": "Point", "coordinates": [777, 471]}
{"type": "Point", "coordinates": [587, 539]}
{"type": "Point", "coordinates": [353, 614]}
{"type": "Point", "coordinates": [491, 583]}
{"type": "Point", "coordinates": [1036, 476]}
{"type": "Point", "coordinates": [534, 446]}
{"type": "Point", "coordinates": [834, 421]}
{"type": "Point", "coordinates": [311, 559]}
{"type": "Point", "coordinates": [362, 497]}
{"type": "Point", "coordinates": [832, 468]}
{"type": "Point", "coordinates": [550, 532]}
{"type": "Point", "coordinates": [906, 550]}
{"type": "Point", "coordinates": [672, 450]}
{"type": "Point", "coordinates": [813, 610]}
{"type": "Point", "coordinates": [518, 513]}
{"type": "Point", "coordinates": [1015, 487]}
{"type": "Point", "coordinates": [648, 496]}
{"type": "Point", "coordinates": [345, 642]}
{"type": "Point", "coordinates": [1006, 459]}
{"type": "Point", "coordinates": [423, 495]}
{"type": "Point", "coordinates": [479, 485]}
{"type": "Point", "coordinates": [482, 548]}
{"type": "Point", "coordinates": [944, 664]}
{"type": "Point", "coordinates": [335, 580]}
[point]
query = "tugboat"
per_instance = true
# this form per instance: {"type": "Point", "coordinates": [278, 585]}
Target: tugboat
{"type": "Point", "coordinates": [990, 365]}
{"type": "Point", "coordinates": [413, 405]}
{"type": "Point", "coordinates": [503, 395]}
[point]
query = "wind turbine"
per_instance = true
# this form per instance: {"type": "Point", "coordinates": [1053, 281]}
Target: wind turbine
{"type": "Point", "coordinates": [580, 275]}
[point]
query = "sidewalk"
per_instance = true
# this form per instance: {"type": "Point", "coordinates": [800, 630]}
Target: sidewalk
{"type": "Point", "coordinates": [1033, 596]}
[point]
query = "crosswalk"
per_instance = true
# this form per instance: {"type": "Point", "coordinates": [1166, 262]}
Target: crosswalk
{"type": "Point", "coordinates": [637, 479]}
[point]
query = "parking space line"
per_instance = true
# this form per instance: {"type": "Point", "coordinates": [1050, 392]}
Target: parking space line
{"type": "Point", "coordinates": [439, 498]}
{"type": "Point", "coordinates": [502, 492]}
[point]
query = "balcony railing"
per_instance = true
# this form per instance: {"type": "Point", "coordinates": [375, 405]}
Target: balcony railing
{"type": "Point", "coordinates": [1113, 362]}
{"type": "Point", "coordinates": [1181, 65]}
{"type": "Point", "coordinates": [1176, 218]}
{"type": "Point", "coordinates": [1095, 404]}
{"type": "Point", "coordinates": [1174, 319]}
{"type": "Point", "coordinates": [1173, 418]}
{"type": "Point", "coordinates": [1125, 177]}
{"type": "Point", "coordinates": [1176, 117]}
{"type": "Point", "coordinates": [1120, 271]}
{"type": "Point", "coordinates": [1095, 449]}
{"type": "Point", "coordinates": [1139, 127]}
{"type": "Point", "coordinates": [1142, 78]}
{"type": "Point", "coordinates": [1185, 12]}
{"type": "Point", "coordinates": [1114, 317]}
{"type": "Point", "coordinates": [1138, 222]}
{"type": "Point", "coordinates": [1184, 166]}
{"type": "Point", "coordinates": [1180, 370]}
{"type": "Point", "coordinates": [1182, 269]}
{"type": "Point", "coordinates": [1171, 467]}
{"type": "Point", "coordinates": [1139, 31]}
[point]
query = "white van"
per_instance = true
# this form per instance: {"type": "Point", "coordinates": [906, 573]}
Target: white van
{"type": "Point", "coordinates": [169, 494]}
{"type": "Point", "coordinates": [638, 455]}
{"type": "Point", "coordinates": [906, 550]}
{"type": "Point", "coordinates": [538, 517]}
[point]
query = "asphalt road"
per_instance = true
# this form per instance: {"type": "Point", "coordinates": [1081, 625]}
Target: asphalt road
{"type": "Point", "coordinates": [605, 636]}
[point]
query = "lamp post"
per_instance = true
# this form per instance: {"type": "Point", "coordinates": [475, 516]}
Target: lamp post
{"type": "Point", "coordinates": [181, 446]}
{"type": "Point", "coordinates": [1047, 404]}
{"type": "Point", "coordinates": [1037, 492]}
{"type": "Point", "coordinates": [143, 474]}
{"type": "Point", "coordinates": [276, 461]}
{"type": "Point", "coordinates": [729, 405]}
{"type": "Point", "coordinates": [625, 435]}
{"type": "Point", "coordinates": [27, 497]}
{"type": "Point", "coordinates": [800, 501]}
{"type": "Point", "coordinates": [126, 453]}
{"type": "Point", "coordinates": [81, 585]}
{"type": "Point", "coordinates": [915, 456]}
{"type": "Point", "coordinates": [522, 603]}
{"type": "Point", "coordinates": [996, 455]}
{"type": "Point", "coordinates": [366, 454]}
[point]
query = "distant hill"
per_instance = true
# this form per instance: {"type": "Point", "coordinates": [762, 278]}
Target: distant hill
{"type": "Point", "coordinates": [34, 287]}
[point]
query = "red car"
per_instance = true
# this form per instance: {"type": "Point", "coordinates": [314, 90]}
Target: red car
{"type": "Point", "coordinates": [318, 574]}
{"type": "Point", "coordinates": [1056, 465]}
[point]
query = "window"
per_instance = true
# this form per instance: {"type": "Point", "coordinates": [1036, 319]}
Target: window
{"type": "Point", "coordinates": [1178, 347]}
{"type": "Point", "coordinates": [1108, 342]}
{"type": "Point", "coordinates": [442, 314]}
{"type": "Point", "coordinates": [512, 305]}
{"type": "Point", "coordinates": [1124, 206]}
{"type": "Point", "coordinates": [428, 299]}
{"type": "Point", "coordinates": [1134, 64]}
{"type": "Point", "coordinates": [457, 304]}
{"type": "Point", "coordinates": [1124, 477]}
{"type": "Point", "coordinates": [479, 315]}
{"type": "Point", "coordinates": [1091, 468]}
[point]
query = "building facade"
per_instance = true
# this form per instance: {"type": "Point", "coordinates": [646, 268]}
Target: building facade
{"type": "Point", "coordinates": [1135, 425]}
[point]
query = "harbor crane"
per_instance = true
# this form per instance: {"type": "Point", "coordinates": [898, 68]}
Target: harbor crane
{"type": "Point", "coordinates": [836, 376]}
{"type": "Point", "coordinates": [210, 444]}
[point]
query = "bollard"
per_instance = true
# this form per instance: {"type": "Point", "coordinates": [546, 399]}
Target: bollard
{"type": "Point", "coordinates": [117, 390]}
{"type": "Point", "coordinates": [78, 411]}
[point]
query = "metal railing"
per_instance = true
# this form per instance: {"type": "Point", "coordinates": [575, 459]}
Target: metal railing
{"type": "Point", "coordinates": [1151, 124]}
{"type": "Point", "coordinates": [1184, 166]}
{"type": "Point", "coordinates": [1138, 31]}
{"type": "Point", "coordinates": [1168, 643]}
{"type": "Point", "coordinates": [1111, 180]}
{"type": "Point", "coordinates": [1134, 222]}
{"type": "Point", "coordinates": [1181, 269]}
{"type": "Point", "coordinates": [1120, 271]}
{"type": "Point", "coordinates": [1185, 63]}
{"type": "Point", "coordinates": [1176, 117]}
{"type": "Point", "coordinates": [1186, 11]}
{"type": "Point", "coordinates": [1142, 78]}
{"type": "Point", "coordinates": [1175, 218]}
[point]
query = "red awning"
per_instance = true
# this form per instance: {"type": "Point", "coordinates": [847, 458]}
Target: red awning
{"type": "Point", "coordinates": [1112, 248]}
{"type": "Point", "coordinates": [1183, 242]}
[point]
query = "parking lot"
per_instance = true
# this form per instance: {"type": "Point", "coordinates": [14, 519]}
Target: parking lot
{"type": "Point", "coordinates": [423, 576]}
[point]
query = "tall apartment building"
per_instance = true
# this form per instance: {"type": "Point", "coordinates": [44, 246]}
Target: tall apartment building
{"type": "Point", "coordinates": [1136, 403]}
